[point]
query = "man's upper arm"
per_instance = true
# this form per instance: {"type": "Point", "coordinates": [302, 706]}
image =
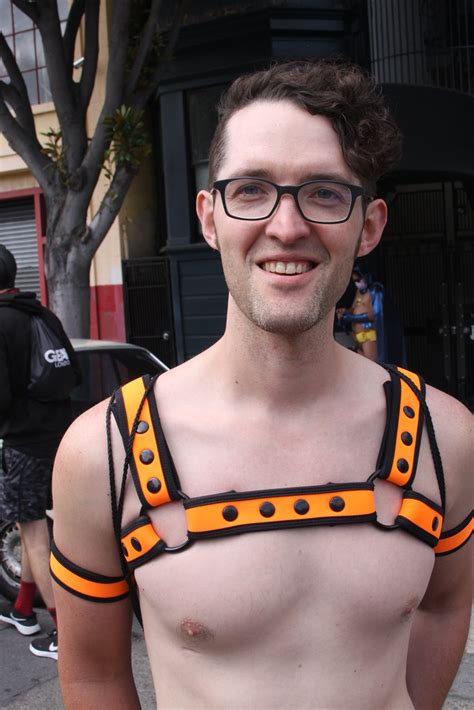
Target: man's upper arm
{"type": "Point", "coordinates": [451, 581]}
{"type": "Point", "coordinates": [94, 636]}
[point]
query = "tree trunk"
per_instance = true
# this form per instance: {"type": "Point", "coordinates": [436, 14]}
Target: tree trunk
{"type": "Point", "coordinates": [67, 268]}
{"type": "Point", "coordinates": [69, 298]}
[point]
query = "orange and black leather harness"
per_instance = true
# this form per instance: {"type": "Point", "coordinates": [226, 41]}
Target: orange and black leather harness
{"type": "Point", "coordinates": [236, 512]}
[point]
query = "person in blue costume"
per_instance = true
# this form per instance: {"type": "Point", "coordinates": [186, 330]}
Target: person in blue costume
{"type": "Point", "coordinates": [366, 317]}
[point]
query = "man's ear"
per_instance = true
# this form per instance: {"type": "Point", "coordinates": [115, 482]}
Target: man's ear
{"type": "Point", "coordinates": [374, 222]}
{"type": "Point", "coordinates": [205, 212]}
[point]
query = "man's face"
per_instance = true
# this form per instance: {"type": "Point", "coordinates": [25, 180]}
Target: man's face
{"type": "Point", "coordinates": [284, 273]}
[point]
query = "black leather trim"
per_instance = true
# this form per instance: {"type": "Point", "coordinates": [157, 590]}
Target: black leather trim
{"type": "Point", "coordinates": [276, 493]}
{"type": "Point", "coordinates": [283, 524]}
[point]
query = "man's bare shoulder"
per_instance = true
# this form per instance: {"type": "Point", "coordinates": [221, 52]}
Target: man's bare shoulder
{"type": "Point", "coordinates": [185, 380]}
{"type": "Point", "coordinates": [453, 425]}
{"type": "Point", "coordinates": [84, 441]}
{"type": "Point", "coordinates": [83, 527]}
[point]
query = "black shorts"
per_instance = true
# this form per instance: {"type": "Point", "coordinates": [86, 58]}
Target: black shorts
{"type": "Point", "coordinates": [25, 486]}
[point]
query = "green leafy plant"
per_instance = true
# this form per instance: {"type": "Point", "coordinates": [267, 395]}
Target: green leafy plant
{"type": "Point", "coordinates": [129, 143]}
{"type": "Point", "coordinates": [53, 148]}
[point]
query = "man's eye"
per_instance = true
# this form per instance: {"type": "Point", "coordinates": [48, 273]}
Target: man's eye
{"type": "Point", "coordinates": [325, 194]}
{"type": "Point", "coordinates": [251, 189]}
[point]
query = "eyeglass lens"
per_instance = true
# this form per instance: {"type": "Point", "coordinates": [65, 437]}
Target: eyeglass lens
{"type": "Point", "coordinates": [319, 201]}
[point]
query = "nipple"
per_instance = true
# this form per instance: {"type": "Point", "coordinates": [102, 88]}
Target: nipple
{"type": "Point", "coordinates": [195, 631]}
{"type": "Point", "coordinates": [410, 608]}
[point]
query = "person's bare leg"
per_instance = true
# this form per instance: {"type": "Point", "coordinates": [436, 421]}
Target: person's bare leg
{"type": "Point", "coordinates": [35, 539]}
{"type": "Point", "coordinates": [369, 350]}
{"type": "Point", "coordinates": [26, 571]}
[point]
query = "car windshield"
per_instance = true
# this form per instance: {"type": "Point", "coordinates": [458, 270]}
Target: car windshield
{"type": "Point", "coordinates": [104, 370]}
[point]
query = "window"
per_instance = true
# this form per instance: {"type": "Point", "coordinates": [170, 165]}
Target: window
{"type": "Point", "coordinates": [25, 43]}
{"type": "Point", "coordinates": [202, 116]}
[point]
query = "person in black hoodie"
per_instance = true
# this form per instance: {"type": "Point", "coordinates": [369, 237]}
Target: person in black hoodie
{"type": "Point", "coordinates": [31, 431]}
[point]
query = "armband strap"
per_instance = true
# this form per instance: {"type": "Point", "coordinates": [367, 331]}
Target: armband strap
{"type": "Point", "coordinates": [453, 540]}
{"type": "Point", "coordinates": [233, 513]}
{"type": "Point", "coordinates": [84, 584]}
{"type": "Point", "coordinates": [421, 517]}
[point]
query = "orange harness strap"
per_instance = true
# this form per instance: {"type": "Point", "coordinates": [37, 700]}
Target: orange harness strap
{"type": "Point", "coordinates": [232, 513]}
{"type": "Point", "coordinates": [140, 542]}
{"type": "Point", "coordinates": [154, 480]}
{"type": "Point", "coordinates": [454, 539]}
{"type": "Point", "coordinates": [82, 583]}
{"type": "Point", "coordinates": [403, 436]}
{"type": "Point", "coordinates": [421, 517]}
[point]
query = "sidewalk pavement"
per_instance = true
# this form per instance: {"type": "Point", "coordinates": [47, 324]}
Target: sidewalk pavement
{"type": "Point", "coordinates": [30, 683]}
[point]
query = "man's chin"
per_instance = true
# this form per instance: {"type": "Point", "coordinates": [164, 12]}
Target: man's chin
{"type": "Point", "coordinates": [284, 324]}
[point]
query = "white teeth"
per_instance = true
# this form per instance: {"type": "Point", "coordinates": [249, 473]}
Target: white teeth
{"type": "Point", "coordinates": [289, 268]}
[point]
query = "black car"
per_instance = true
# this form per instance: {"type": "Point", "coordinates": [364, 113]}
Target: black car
{"type": "Point", "coordinates": [105, 366]}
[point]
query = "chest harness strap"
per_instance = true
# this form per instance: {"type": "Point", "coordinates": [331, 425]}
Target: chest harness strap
{"type": "Point", "coordinates": [156, 482]}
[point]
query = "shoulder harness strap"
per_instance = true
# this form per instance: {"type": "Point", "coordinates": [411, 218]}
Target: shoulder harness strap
{"type": "Point", "coordinates": [399, 453]}
{"type": "Point", "coordinates": [153, 473]}
{"type": "Point", "coordinates": [407, 412]}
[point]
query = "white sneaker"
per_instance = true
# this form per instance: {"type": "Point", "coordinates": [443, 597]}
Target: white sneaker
{"type": "Point", "coordinates": [46, 646]}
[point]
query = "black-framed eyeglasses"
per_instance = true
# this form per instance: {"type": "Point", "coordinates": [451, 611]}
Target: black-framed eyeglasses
{"type": "Point", "coordinates": [321, 201]}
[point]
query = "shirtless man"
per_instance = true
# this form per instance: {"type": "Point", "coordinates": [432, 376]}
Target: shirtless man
{"type": "Point", "coordinates": [297, 610]}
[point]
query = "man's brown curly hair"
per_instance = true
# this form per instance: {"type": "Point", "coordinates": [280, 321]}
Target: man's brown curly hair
{"type": "Point", "coordinates": [349, 98]}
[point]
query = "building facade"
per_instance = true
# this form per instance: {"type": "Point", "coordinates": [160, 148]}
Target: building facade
{"type": "Point", "coordinates": [155, 281]}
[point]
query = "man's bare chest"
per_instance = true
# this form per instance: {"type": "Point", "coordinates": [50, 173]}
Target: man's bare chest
{"type": "Point", "coordinates": [313, 495]}
{"type": "Point", "coordinates": [250, 586]}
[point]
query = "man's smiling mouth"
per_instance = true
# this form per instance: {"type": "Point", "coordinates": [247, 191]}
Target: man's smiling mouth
{"type": "Point", "coordinates": [287, 268]}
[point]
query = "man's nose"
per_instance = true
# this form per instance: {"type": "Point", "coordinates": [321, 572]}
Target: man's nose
{"type": "Point", "coordinates": [287, 223]}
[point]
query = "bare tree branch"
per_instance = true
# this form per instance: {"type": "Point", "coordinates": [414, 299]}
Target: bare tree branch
{"type": "Point", "coordinates": [27, 146]}
{"type": "Point", "coordinates": [91, 53]}
{"type": "Point", "coordinates": [118, 46]}
{"type": "Point", "coordinates": [143, 47]}
{"type": "Point", "coordinates": [72, 27]}
{"type": "Point", "coordinates": [108, 210]}
{"type": "Point", "coordinates": [140, 99]}
{"type": "Point", "coordinates": [30, 9]}
{"type": "Point", "coordinates": [62, 87]}
{"type": "Point", "coordinates": [22, 108]}
{"type": "Point", "coordinates": [9, 94]}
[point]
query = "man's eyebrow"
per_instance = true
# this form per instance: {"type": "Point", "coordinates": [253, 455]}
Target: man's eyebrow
{"type": "Point", "coordinates": [266, 174]}
{"type": "Point", "coordinates": [251, 172]}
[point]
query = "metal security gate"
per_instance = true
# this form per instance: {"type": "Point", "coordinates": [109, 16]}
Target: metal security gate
{"type": "Point", "coordinates": [18, 234]}
{"type": "Point", "coordinates": [148, 319]}
{"type": "Point", "coordinates": [427, 266]}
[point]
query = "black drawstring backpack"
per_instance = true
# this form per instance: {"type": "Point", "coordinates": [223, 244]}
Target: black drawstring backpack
{"type": "Point", "coordinates": [52, 375]}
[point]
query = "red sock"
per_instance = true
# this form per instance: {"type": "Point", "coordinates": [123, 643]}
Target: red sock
{"type": "Point", "coordinates": [24, 601]}
{"type": "Point", "coordinates": [53, 614]}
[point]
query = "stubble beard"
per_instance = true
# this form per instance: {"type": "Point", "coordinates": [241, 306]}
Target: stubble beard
{"type": "Point", "coordinates": [280, 319]}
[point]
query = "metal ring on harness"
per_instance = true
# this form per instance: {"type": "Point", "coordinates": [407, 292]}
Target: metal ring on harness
{"type": "Point", "coordinates": [373, 476]}
{"type": "Point", "coordinates": [178, 548]}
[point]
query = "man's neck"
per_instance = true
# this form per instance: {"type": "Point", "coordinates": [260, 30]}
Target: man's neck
{"type": "Point", "coordinates": [275, 368]}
